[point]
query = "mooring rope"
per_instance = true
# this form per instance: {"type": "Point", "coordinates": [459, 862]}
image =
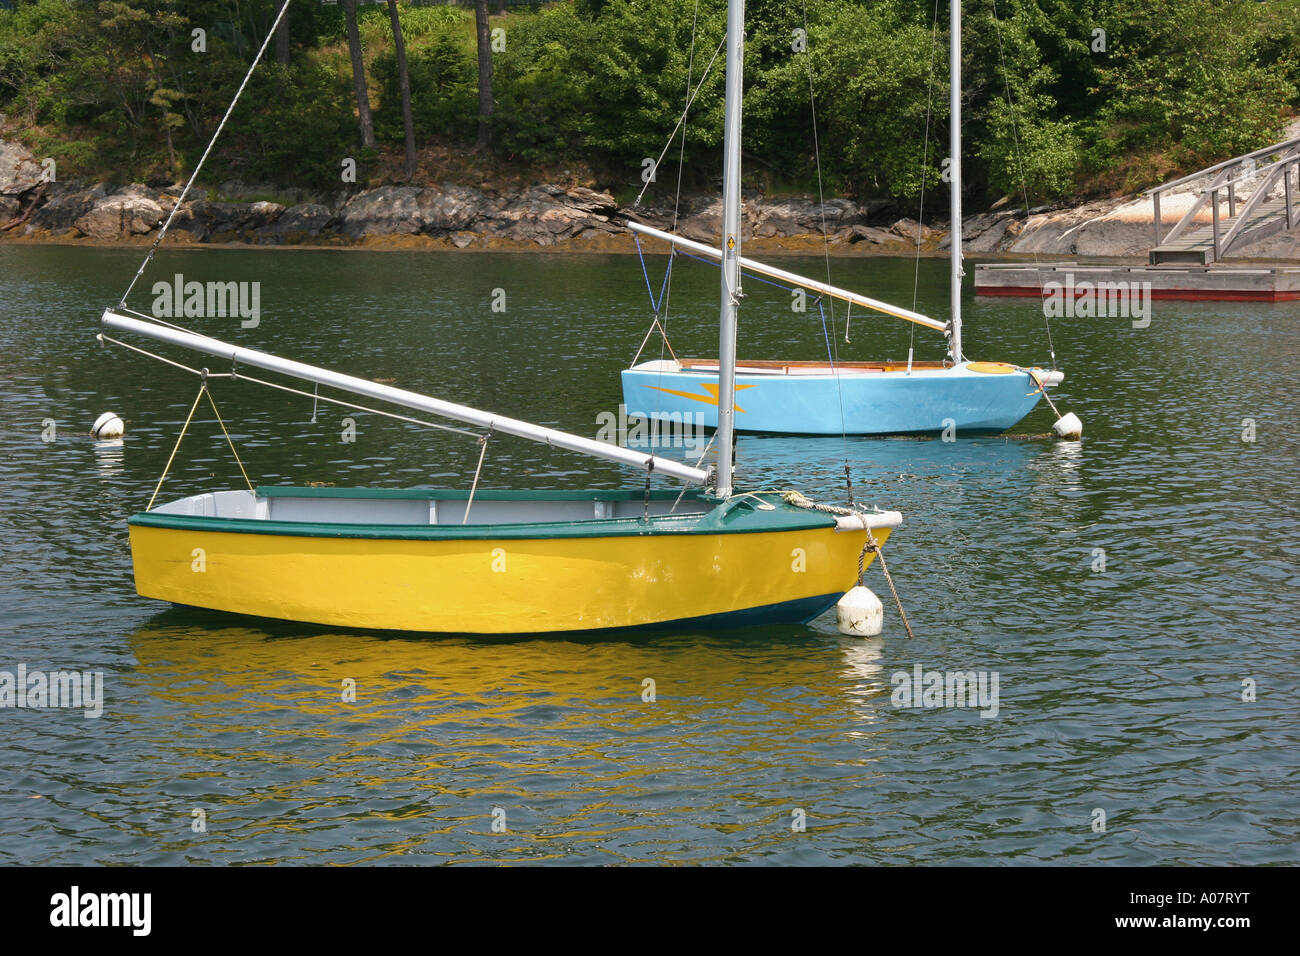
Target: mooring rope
{"type": "Point", "coordinates": [873, 546]}
{"type": "Point", "coordinates": [797, 499]}
{"type": "Point", "coordinates": [1043, 388]}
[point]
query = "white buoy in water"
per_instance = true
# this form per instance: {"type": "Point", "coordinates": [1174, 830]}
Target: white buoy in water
{"type": "Point", "coordinates": [859, 613]}
{"type": "Point", "coordinates": [1068, 427]}
{"type": "Point", "coordinates": [107, 425]}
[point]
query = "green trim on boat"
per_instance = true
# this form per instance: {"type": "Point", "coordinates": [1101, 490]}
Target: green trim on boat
{"type": "Point", "coordinates": [738, 515]}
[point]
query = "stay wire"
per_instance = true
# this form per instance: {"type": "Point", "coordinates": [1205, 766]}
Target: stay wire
{"type": "Point", "coordinates": [315, 396]}
{"type": "Point", "coordinates": [925, 171]}
{"type": "Point", "coordinates": [826, 242]}
{"type": "Point", "coordinates": [284, 8]}
{"type": "Point", "coordinates": [1020, 167]}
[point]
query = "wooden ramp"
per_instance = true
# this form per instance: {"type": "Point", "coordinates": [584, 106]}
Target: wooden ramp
{"type": "Point", "coordinates": [1196, 246]}
{"type": "Point", "coordinates": [1258, 191]}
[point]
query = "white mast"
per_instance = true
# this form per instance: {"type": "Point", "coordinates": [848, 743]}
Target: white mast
{"type": "Point", "coordinates": [731, 294]}
{"type": "Point", "coordinates": [239, 356]}
{"type": "Point", "coordinates": [954, 150]}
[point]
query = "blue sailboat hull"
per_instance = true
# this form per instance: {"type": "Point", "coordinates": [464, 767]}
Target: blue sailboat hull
{"type": "Point", "coordinates": [970, 397]}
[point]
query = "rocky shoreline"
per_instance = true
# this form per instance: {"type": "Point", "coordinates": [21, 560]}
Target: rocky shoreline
{"type": "Point", "coordinates": [568, 218]}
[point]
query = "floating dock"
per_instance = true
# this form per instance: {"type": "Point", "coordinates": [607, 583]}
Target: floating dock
{"type": "Point", "coordinates": [1216, 282]}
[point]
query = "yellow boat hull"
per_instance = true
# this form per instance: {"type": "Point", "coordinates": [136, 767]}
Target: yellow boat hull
{"type": "Point", "coordinates": [508, 585]}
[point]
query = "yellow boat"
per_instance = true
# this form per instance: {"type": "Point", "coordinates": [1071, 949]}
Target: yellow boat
{"type": "Point", "coordinates": [525, 562]}
{"type": "Point", "coordinates": [502, 562]}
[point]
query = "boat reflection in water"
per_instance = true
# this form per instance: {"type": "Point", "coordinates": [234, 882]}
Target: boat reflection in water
{"type": "Point", "coordinates": [629, 693]}
{"type": "Point", "coordinates": [594, 749]}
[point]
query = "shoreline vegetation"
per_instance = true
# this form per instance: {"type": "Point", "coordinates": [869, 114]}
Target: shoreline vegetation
{"type": "Point", "coordinates": [1071, 113]}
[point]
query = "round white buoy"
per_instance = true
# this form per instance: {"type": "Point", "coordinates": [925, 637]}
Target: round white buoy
{"type": "Point", "coordinates": [108, 425]}
{"type": "Point", "coordinates": [1069, 427]}
{"type": "Point", "coordinates": [859, 613]}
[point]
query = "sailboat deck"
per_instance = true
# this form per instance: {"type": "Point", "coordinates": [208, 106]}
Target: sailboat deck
{"type": "Point", "coordinates": [786, 367]}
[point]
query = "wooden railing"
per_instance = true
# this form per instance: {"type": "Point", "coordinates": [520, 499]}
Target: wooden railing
{"type": "Point", "coordinates": [1282, 156]}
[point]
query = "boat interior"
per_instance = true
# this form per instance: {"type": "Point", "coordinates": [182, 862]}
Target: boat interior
{"type": "Point", "coordinates": [418, 506]}
{"type": "Point", "coordinates": [783, 367]}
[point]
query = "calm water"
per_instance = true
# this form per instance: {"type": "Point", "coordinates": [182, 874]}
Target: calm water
{"type": "Point", "coordinates": [1119, 690]}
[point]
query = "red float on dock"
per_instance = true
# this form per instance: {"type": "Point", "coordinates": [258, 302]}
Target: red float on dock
{"type": "Point", "coordinates": [1216, 283]}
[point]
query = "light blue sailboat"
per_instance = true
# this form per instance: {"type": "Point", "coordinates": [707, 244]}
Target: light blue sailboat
{"type": "Point", "coordinates": [854, 398]}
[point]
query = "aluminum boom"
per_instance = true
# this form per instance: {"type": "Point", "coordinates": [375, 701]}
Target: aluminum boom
{"type": "Point", "coordinates": [397, 396]}
{"type": "Point", "coordinates": [772, 272]}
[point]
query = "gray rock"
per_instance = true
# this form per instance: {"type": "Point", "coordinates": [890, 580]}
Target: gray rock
{"type": "Point", "coordinates": [450, 208]}
{"type": "Point", "coordinates": [790, 217]}
{"type": "Point", "coordinates": [990, 238]}
{"type": "Point", "coordinates": [206, 219]}
{"type": "Point", "coordinates": [19, 171]}
{"type": "Point", "coordinates": [226, 221]}
{"type": "Point", "coordinates": [871, 234]}
{"type": "Point", "coordinates": [703, 226]}
{"type": "Point", "coordinates": [120, 216]}
{"type": "Point", "coordinates": [410, 210]}
{"type": "Point", "coordinates": [299, 223]}
{"type": "Point", "coordinates": [547, 214]}
{"type": "Point", "coordinates": [67, 203]}
{"type": "Point", "coordinates": [910, 230]}
{"type": "Point", "coordinates": [590, 201]}
{"type": "Point", "coordinates": [385, 211]}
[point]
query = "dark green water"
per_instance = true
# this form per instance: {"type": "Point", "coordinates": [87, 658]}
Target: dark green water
{"type": "Point", "coordinates": [1120, 690]}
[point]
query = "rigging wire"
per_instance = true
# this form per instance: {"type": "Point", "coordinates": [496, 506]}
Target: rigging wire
{"type": "Point", "coordinates": [284, 8]}
{"type": "Point", "coordinates": [1020, 166]}
{"type": "Point", "coordinates": [665, 293]}
{"type": "Point", "coordinates": [637, 202]}
{"type": "Point", "coordinates": [203, 390]}
{"type": "Point", "coordinates": [315, 396]}
{"type": "Point", "coordinates": [925, 170]}
{"type": "Point", "coordinates": [826, 244]}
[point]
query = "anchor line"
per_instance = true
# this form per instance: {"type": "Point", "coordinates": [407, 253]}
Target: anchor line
{"type": "Point", "coordinates": [873, 546]}
{"type": "Point", "coordinates": [798, 500]}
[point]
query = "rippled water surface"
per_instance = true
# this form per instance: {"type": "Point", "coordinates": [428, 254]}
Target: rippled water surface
{"type": "Point", "coordinates": [1120, 690]}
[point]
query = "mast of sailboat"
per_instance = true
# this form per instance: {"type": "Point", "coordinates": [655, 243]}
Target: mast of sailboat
{"type": "Point", "coordinates": [954, 165]}
{"type": "Point", "coordinates": [731, 293]}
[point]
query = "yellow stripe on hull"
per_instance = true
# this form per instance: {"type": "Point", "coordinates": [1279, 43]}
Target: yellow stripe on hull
{"type": "Point", "coordinates": [502, 586]}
